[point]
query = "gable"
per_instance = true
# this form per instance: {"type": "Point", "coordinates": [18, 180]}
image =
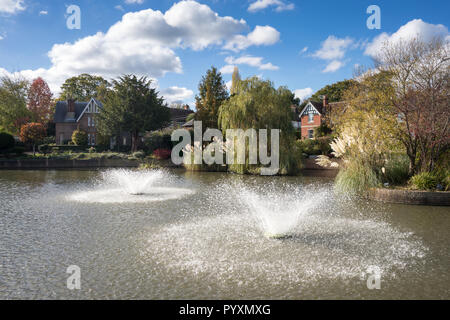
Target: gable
{"type": "Point", "coordinates": [309, 108]}
{"type": "Point", "coordinates": [92, 107]}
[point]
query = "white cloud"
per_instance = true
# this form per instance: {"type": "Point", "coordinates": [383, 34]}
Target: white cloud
{"type": "Point", "coordinates": [304, 50]}
{"type": "Point", "coordinates": [1, 37]}
{"type": "Point", "coordinates": [119, 7]}
{"type": "Point", "coordinates": [43, 13]}
{"type": "Point", "coordinates": [333, 48]}
{"type": "Point", "coordinates": [228, 84]}
{"type": "Point", "coordinates": [134, 1]}
{"type": "Point", "coordinates": [260, 36]}
{"type": "Point", "coordinates": [333, 66]}
{"type": "Point", "coordinates": [143, 43]}
{"type": "Point", "coordinates": [12, 6]}
{"type": "Point", "coordinates": [303, 94]}
{"type": "Point", "coordinates": [228, 69]}
{"type": "Point", "coordinates": [252, 61]}
{"type": "Point", "coordinates": [413, 29]}
{"type": "Point", "coordinates": [263, 4]}
{"type": "Point", "coordinates": [176, 94]}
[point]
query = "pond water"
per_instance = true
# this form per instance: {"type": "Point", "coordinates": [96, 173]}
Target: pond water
{"type": "Point", "coordinates": [180, 235]}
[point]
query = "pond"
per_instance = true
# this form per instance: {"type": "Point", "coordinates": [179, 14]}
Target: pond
{"type": "Point", "coordinates": [179, 235]}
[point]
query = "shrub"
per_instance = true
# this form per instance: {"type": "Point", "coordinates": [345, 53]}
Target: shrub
{"type": "Point", "coordinates": [319, 146]}
{"type": "Point", "coordinates": [424, 181]}
{"type": "Point", "coordinates": [396, 171]}
{"type": "Point", "coordinates": [322, 130]}
{"type": "Point", "coordinates": [356, 178]}
{"type": "Point", "coordinates": [44, 148]}
{"type": "Point", "coordinates": [157, 140]}
{"type": "Point", "coordinates": [139, 154]}
{"type": "Point", "coordinates": [162, 154]}
{"type": "Point", "coordinates": [6, 141]}
{"type": "Point", "coordinates": [18, 150]}
{"type": "Point", "coordinates": [80, 138]}
{"type": "Point", "coordinates": [91, 150]}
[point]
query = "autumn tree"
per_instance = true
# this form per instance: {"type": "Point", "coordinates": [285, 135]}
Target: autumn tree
{"type": "Point", "coordinates": [13, 104]}
{"type": "Point", "coordinates": [83, 87]}
{"type": "Point", "coordinates": [235, 78]}
{"type": "Point", "coordinates": [420, 75]}
{"type": "Point", "coordinates": [132, 106]}
{"type": "Point", "coordinates": [39, 101]}
{"type": "Point", "coordinates": [32, 133]}
{"type": "Point", "coordinates": [212, 93]}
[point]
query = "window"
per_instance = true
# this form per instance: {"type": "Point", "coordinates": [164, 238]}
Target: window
{"type": "Point", "coordinates": [310, 117]}
{"type": "Point", "coordinates": [89, 121]}
{"type": "Point", "coordinates": [310, 134]}
{"type": "Point", "coordinates": [124, 141]}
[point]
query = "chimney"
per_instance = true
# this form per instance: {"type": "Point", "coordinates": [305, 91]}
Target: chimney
{"type": "Point", "coordinates": [70, 105]}
{"type": "Point", "coordinates": [325, 101]}
{"type": "Point", "coordinates": [70, 109]}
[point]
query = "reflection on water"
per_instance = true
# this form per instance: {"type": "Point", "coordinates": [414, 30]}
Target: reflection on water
{"type": "Point", "coordinates": [160, 234]}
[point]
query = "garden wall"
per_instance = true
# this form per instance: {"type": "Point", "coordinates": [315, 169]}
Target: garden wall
{"type": "Point", "coordinates": [411, 197]}
{"type": "Point", "coordinates": [66, 164]}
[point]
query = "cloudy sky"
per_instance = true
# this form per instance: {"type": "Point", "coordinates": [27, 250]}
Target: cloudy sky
{"type": "Point", "coordinates": [301, 44]}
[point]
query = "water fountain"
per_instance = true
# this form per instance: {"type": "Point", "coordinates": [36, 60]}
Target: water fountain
{"type": "Point", "coordinates": [124, 185]}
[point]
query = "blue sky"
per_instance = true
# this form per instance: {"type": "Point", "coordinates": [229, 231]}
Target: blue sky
{"type": "Point", "coordinates": [303, 45]}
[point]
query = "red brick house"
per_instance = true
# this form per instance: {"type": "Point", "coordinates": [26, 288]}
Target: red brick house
{"type": "Point", "coordinates": [71, 115]}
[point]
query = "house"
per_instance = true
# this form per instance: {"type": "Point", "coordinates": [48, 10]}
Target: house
{"type": "Point", "coordinates": [315, 113]}
{"type": "Point", "coordinates": [71, 115]}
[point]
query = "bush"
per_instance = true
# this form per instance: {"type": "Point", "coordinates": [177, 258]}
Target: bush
{"type": "Point", "coordinates": [17, 150]}
{"type": "Point", "coordinates": [92, 150]}
{"type": "Point", "coordinates": [322, 131]}
{"type": "Point", "coordinates": [80, 138]}
{"type": "Point", "coordinates": [138, 154]}
{"type": "Point", "coordinates": [158, 140]}
{"type": "Point", "coordinates": [44, 148]}
{"type": "Point", "coordinates": [67, 148]}
{"type": "Point", "coordinates": [162, 154]}
{"type": "Point", "coordinates": [319, 146]}
{"type": "Point", "coordinates": [6, 141]}
{"type": "Point", "coordinates": [356, 178]}
{"type": "Point", "coordinates": [396, 171]}
{"type": "Point", "coordinates": [424, 181]}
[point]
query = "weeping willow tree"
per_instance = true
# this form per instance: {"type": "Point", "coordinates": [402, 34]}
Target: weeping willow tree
{"type": "Point", "coordinates": [258, 105]}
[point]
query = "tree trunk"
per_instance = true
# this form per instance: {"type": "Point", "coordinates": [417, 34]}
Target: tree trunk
{"type": "Point", "coordinates": [34, 150]}
{"type": "Point", "coordinates": [134, 141]}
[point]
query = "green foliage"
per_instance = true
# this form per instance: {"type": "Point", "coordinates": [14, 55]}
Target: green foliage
{"type": "Point", "coordinates": [235, 78]}
{"type": "Point", "coordinates": [260, 106]}
{"type": "Point", "coordinates": [319, 146]}
{"type": "Point", "coordinates": [356, 179]}
{"type": "Point", "coordinates": [212, 92]}
{"type": "Point", "coordinates": [6, 141]}
{"type": "Point", "coordinates": [190, 117]}
{"type": "Point", "coordinates": [334, 92]}
{"type": "Point", "coordinates": [83, 87]}
{"type": "Point", "coordinates": [13, 104]}
{"type": "Point", "coordinates": [322, 131]}
{"type": "Point", "coordinates": [424, 181]}
{"type": "Point", "coordinates": [157, 140]}
{"type": "Point", "coordinates": [80, 138]}
{"type": "Point", "coordinates": [44, 148]}
{"type": "Point", "coordinates": [396, 170]}
{"type": "Point", "coordinates": [92, 150]}
{"type": "Point", "coordinates": [139, 155]}
{"type": "Point", "coordinates": [132, 106]}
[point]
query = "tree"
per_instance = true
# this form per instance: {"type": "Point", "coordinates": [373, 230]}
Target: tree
{"type": "Point", "coordinates": [82, 87]}
{"type": "Point", "coordinates": [132, 106]}
{"type": "Point", "coordinates": [32, 133]}
{"type": "Point", "coordinates": [420, 75]}
{"type": "Point", "coordinates": [13, 104]}
{"type": "Point", "coordinates": [334, 92]}
{"type": "Point", "coordinates": [39, 101]}
{"type": "Point", "coordinates": [212, 93]}
{"type": "Point", "coordinates": [6, 141]}
{"type": "Point", "coordinates": [261, 106]}
{"type": "Point", "coordinates": [235, 78]}
{"type": "Point", "coordinates": [80, 138]}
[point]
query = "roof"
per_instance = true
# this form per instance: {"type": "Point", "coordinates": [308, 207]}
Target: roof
{"type": "Point", "coordinates": [179, 114]}
{"type": "Point", "coordinates": [62, 106]}
{"type": "Point", "coordinates": [61, 111]}
{"type": "Point", "coordinates": [189, 124]}
{"type": "Point", "coordinates": [318, 106]}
